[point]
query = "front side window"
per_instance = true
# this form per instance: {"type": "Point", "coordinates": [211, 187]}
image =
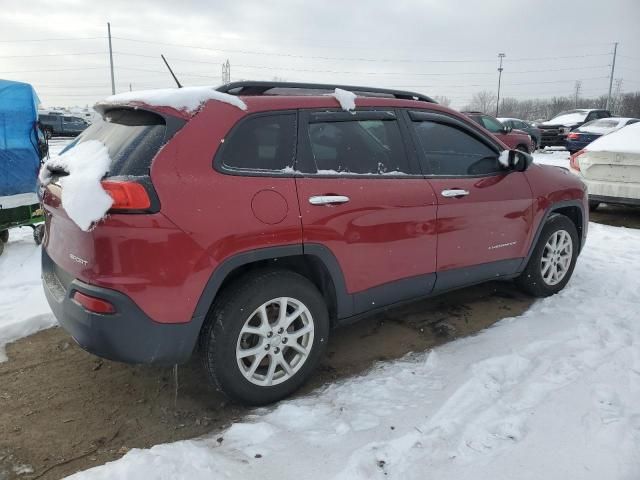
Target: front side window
{"type": "Point", "coordinates": [450, 151]}
{"type": "Point", "coordinates": [262, 143]}
{"type": "Point", "coordinates": [358, 147]}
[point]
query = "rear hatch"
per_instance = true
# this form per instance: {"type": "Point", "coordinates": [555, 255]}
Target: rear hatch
{"type": "Point", "coordinates": [610, 166]}
{"type": "Point", "coordinates": [132, 137]}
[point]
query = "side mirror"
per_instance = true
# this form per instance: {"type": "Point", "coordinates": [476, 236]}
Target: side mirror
{"type": "Point", "coordinates": [515, 160]}
{"type": "Point", "coordinates": [519, 161]}
{"type": "Point", "coordinates": [506, 129]}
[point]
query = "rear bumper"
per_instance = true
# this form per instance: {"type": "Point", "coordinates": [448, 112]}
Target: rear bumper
{"type": "Point", "coordinates": [127, 336]}
{"type": "Point", "coordinates": [575, 145]}
{"type": "Point", "coordinates": [624, 193]}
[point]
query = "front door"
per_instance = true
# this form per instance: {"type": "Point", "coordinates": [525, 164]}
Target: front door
{"type": "Point", "coordinates": [484, 211]}
{"type": "Point", "coordinates": [363, 198]}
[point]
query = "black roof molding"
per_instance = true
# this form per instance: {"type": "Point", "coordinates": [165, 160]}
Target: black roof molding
{"type": "Point", "coordinates": [294, 88]}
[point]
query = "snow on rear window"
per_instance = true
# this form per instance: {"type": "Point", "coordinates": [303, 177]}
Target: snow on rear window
{"type": "Point", "coordinates": [83, 197]}
{"type": "Point", "coordinates": [188, 99]}
{"type": "Point", "coordinates": [625, 140]}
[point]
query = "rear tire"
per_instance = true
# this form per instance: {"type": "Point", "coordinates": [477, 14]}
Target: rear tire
{"type": "Point", "coordinates": [38, 233]}
{"type": "Point", "coordinates": [4, 236]}
{"type": "Point", "coordinates": [247, 318]}
{"type": "Point", "coordinates": [548, 258]}
{"type": "Point", "coordinates": [1, 247]}
{"type": "Point", "coordinates": [593, 205]}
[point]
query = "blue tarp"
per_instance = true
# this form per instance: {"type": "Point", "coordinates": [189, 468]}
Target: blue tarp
{"type": "Point", "coordinates": [19, 158]}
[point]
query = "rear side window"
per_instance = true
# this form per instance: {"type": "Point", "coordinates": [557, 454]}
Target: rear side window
{"type": "Point", "coordinates": [133, 137]}
{"type": "Point", "coordinates": [450, 151]}
{"type": "Point", "coordinates": [262, 143]}
{"type": "Point", "coordinates": [358, 147]}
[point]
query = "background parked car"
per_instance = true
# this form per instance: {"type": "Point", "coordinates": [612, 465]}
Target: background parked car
{"type": "Point", "coordinates": [587, 133]}
{"type": "Point", "coordinates": [610, 166]}
{"type": "Point", "coordinates": [555, 131]}
{"type": "Point", "coordinates": [516, 139]}
{"type": "Point", "coordinates": [62, 125]}
{"type": "Point", "coordinates": [517, 124]}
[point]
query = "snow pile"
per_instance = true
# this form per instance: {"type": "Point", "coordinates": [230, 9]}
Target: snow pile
{"type": "Point", "coordinates": [83, 197]}
{"type": "Point", "coordinates": [625, 140]}
{"type": "Point", "coordinates": [346, 99]}
{"type": "Point", "coordinates": [188, 99]}
{"type": "Point", "coordinates": [23, 307]}
{"type": "Point", "coordinates": [551, 394]}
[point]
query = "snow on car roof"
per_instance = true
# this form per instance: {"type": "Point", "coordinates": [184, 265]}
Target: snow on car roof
{"type": "Point", "coordinates": [625, 140]}
{"type": "Point", "coordinates": [568, 118]}
{"type": "Point", "coordinates": [188, 99]}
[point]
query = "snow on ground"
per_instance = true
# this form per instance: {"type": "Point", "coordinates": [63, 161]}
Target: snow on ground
{"type": "Point", "coordinates": [551, 394]}
{"type": "Point", "coordinates": [552, 156]}
{"type": "Point", "coordinates": [23, 307]}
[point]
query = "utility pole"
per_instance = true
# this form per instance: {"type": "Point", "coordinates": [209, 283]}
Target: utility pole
{"type": "Point", "coordinates": [500, 56]}
{"type": "Point", "coordinates": [226, 72]}
{"type": "Point", "coordinates": [578, 87]}
{"type": "Point", "coordinates": [113, 83]}
{"type": "Point", "coordinates": [613, 67]}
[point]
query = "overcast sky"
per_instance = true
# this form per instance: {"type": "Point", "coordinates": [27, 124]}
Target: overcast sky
{"type": "Point", "coordinates": [437, 47]}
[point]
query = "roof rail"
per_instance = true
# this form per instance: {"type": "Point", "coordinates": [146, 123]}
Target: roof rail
{"type": "Point", "coordinates": [261, 88]}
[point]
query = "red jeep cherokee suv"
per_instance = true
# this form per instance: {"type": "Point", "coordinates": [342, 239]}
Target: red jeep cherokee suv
{"type": "Point", "coordinates": [517, 139]}
{"type": "Point", "coordinates": [251, 234]}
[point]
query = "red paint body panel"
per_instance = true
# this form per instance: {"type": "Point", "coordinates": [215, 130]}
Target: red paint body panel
{"type": "Point", "coordinates": [514, 138]}
{"type": "Point", "coordinates": [492, 223]}
{"type": "Point", "coordinates": [385, 232]}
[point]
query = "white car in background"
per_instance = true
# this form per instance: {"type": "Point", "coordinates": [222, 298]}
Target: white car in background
{"type": "Point", "coordinates": [610, 167]}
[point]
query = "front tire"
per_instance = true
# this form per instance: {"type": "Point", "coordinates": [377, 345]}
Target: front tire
{"type": "Point", "coordinates": [4, 236]}
{"type": "Point", "coordinates": [265, 336]}
{"type": "Point", "coordinates": [593, 205]}
{"type": "Point", "coordinates": [553, 259]}
{"type": "Point", "coordinates": [38, 233]}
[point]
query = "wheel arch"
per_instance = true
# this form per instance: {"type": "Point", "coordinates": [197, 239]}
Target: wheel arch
{"type": "Point", "coordinates": [315, 262]}
{"type": "Point", "coordinates": [572, 209]}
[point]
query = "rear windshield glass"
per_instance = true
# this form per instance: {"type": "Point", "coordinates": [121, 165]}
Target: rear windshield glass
{"type": "Point", "coordinates": [133, 137]}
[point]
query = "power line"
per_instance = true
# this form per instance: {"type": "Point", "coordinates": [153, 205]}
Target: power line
{"type": "Point", "coordinates": [51, 39]}
{"type": "Point", "coordinates": [56, 70]}
{"type": "Point", "coordinates": [53, 55]}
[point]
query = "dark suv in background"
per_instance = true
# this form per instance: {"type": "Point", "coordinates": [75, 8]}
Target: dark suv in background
{"type": "Point", "coordinates": [554, 132]}
{"type": "Point", "coordinates": [252, 233]}
{"type": "Point", "coordinates": [61, 125]}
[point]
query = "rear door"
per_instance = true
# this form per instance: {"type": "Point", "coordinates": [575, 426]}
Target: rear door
{"type": "Point", "coordinates": [484, 212]}
{"type": "Point", "coordinates": [362, 198]}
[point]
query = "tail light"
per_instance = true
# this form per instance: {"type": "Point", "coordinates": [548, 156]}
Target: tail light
{"type": "Point", "coordinates": [573, 136]}
{"type": "Point", "coordinates": [573, 160]}
{"type": "Point", "coordinates": [127, 195]}
{"type": "Point", "coordinates": [94, 304]}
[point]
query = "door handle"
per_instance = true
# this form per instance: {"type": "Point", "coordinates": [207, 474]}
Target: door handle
{"type": "Point", "coordinates": [328, 199]}
{"type": "Point", "coordinates": [455, 192]}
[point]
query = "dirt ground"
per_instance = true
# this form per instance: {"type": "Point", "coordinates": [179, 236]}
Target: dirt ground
{"type": "Point", "coordinates": [64, 410]}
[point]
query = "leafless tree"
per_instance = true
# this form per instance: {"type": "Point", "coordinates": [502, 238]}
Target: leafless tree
{"type": "Point", "coordinates": [442, 100]}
